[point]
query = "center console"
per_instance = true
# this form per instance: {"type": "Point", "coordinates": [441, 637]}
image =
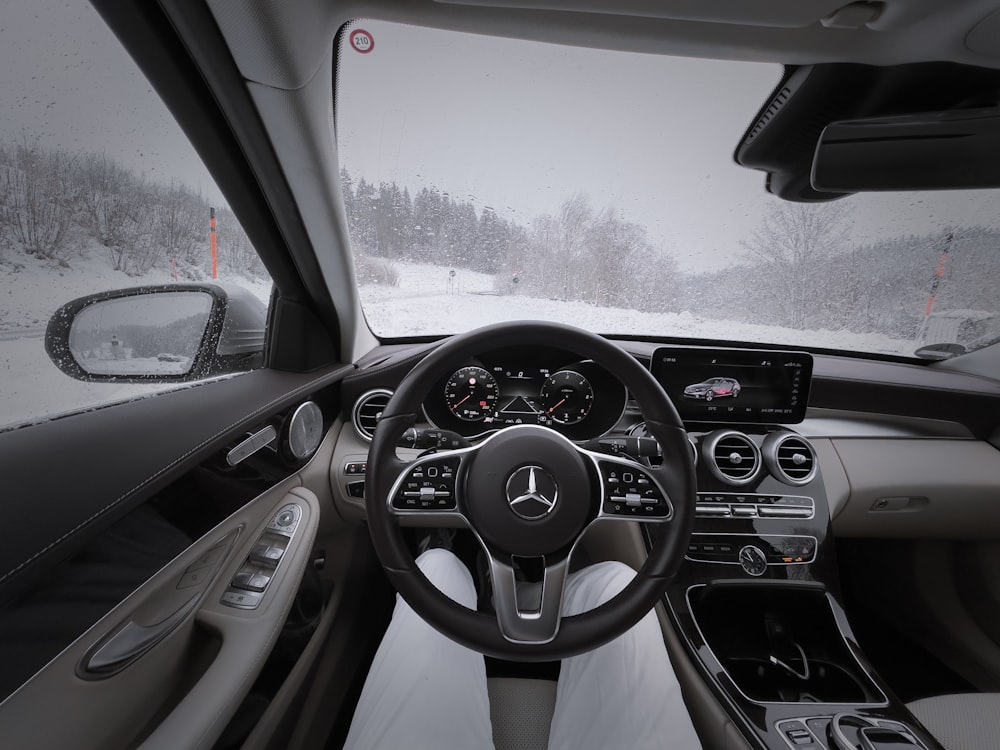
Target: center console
{"type": "Point", "coordinates": [757, 601]}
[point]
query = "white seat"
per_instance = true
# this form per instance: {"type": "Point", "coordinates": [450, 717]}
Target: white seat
{"type": "Point", "coordinates": [964, 721]}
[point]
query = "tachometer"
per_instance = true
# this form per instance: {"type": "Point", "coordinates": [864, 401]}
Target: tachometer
{"type": "Point", "coordinates": [471, 394]}
{"type": "Point", "coordinates": [567, 397]}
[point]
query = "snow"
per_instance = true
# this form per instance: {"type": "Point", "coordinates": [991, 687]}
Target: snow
{"type": "Point", "coordinates": [137, 366]}
{"type": "Point", "coordinates": [31, 289]}
{"type": "Point", "coordinates": [428, 301]}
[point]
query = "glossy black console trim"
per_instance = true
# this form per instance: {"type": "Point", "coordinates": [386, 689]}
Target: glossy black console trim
{"type": "Point", "coordinates": [757, 719]}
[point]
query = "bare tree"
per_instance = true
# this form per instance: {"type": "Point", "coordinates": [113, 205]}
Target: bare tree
{"type": "Point", "coordinates": [235, 249]}
{"type": "Point", "coordinates": [575, 216]}
{"type": "Point", "coordinates": [40, 194]}
{"type": "Point", "coordinates": [116, 209]}
{"type": "Point", "coordinates": [622, 268]}
{"type": "Point", "coordinates": [791, 242]}
{"type": "Point", "coordinates": [176, 217]}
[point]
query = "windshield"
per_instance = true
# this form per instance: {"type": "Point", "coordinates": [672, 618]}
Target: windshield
{"type": "Point", "coordinates": [490, 179]}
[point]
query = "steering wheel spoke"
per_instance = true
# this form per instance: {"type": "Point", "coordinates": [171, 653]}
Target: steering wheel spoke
{"type": "Point", "coordinates": [528, 612]}
{"type": "Point", "coordinates": [630, 491]}
{"type": "Point", "coordinates": [429, 485]}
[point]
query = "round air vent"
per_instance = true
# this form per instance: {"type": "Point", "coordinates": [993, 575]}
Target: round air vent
{"type": "Point", "coordinates": [732, 457]}
{"type": "Point", "coordinates": [368, 410]}
{"type": "Point", "coordinates": [789, 458]}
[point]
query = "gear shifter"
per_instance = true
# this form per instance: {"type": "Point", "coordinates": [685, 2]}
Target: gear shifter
{"type": "Point", "coordinates": [853, 732]}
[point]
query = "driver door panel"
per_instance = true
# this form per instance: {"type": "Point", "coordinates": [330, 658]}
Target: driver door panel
{"type": "Point", "coordinates": [169, 666]}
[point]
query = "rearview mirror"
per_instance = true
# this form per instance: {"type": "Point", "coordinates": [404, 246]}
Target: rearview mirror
{"type": "Point", "coordinates": [169, 333]}
{"type": "Point", "coordinates": [928, 151]}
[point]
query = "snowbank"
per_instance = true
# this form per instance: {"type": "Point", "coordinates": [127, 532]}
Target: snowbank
{"type": "Point", "coordinates": [429, 301]}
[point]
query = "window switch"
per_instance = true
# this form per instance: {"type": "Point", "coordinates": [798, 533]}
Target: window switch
{"type": "Point", "coordinates": [267, 554]}
{"type": "Point", "coordinates": [250, 581]}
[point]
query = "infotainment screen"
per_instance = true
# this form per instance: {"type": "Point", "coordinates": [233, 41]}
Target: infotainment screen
{"type": "Point", "coordinates": [735, 385]}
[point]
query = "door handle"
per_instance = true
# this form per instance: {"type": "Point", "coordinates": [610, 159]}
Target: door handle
{"type": "Point", "coordinates": [131, 642]}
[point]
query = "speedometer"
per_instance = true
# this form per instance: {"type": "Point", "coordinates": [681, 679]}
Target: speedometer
{"type": "Point", "coordinates": [567, 397]}
{"type": "Point", "coordinates": [471, 394]}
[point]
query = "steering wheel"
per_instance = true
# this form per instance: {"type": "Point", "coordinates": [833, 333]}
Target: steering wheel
{"type": "Point", "coordinates": [528, 492]}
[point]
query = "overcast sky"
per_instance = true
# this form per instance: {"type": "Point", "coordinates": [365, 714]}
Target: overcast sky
{"type": "Point", "coordinates": [521, 126]}
{"type": "Point", "coordinates": [518, 126]}
{"type": "Point", "coordinates": [66, 81]}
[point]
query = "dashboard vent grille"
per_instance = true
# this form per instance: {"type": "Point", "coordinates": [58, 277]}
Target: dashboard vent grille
{"type": "Point", "coordinates": [794, 461]}
{"type": "Point", "coordinates": [368, 410]}
{"type": "Point", "coordinates": [733, 457]}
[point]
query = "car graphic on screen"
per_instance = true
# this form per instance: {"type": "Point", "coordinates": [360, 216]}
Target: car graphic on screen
{"type": "Point", "coordinates": [713, 388]}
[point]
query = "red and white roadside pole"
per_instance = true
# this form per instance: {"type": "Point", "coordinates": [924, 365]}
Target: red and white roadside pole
{"type": "Point", "coordinates": [211, 233]}
{"type": "Point", "coordinates": [936, 282]}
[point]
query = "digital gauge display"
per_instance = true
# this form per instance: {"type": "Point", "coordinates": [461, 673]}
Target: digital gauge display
{"type": "Point", "coordinates": [527, 386]}
{"type": "Point", "coordinates": [471, 394]}
{"type": "Point", "coordinates": [735, 385]}
{"type": "Point", "coordinates": [566, 397]}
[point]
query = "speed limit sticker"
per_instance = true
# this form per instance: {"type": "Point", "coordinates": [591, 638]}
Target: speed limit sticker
{"type": "Point", "coordinates": [362, 41]}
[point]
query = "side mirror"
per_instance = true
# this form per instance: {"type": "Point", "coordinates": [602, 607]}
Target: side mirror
{"type": "Point", "coordinates": [940, 352]}
{"type": "Point", "coordinates": [165, 334]}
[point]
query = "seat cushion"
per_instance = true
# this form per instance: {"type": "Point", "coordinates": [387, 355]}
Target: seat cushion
{"type": "Point", "coordinates": [521, 712]}
{"type": "Point", "coordinates": [965, 721]}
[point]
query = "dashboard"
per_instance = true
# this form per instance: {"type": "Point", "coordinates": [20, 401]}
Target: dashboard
{"type": "Point", "coordinates": [582, 400]}
{"type": "Point", "coordinates": [874, 457]}
{"type": "Point", "coordinates": [527, 385]}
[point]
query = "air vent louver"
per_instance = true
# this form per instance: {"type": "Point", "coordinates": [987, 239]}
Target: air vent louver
{"type": "Point", "coordinates": [790, 458]}
{"type": "Point", "coordinates": [732, 457]}
{"type": "Point", "coordinates": [368, 410]}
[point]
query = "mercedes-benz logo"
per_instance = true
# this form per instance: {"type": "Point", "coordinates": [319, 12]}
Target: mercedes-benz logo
{"type": "Point", "coordinates": [531, 492]}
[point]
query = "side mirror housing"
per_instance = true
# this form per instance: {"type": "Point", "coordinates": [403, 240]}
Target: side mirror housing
{"type": "Point", "coordinates": [163, 334]}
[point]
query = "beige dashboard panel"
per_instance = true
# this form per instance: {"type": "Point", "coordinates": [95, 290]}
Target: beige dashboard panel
{"type": "Point", "coordinates": [927, 489]}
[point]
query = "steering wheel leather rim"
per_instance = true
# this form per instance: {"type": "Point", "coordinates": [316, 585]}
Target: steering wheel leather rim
{"type": "Point", "coordinates": [480, 631]}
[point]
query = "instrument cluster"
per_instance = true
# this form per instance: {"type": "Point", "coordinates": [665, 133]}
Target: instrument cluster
{"type": "Point", "coordinates": [527, 385]}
